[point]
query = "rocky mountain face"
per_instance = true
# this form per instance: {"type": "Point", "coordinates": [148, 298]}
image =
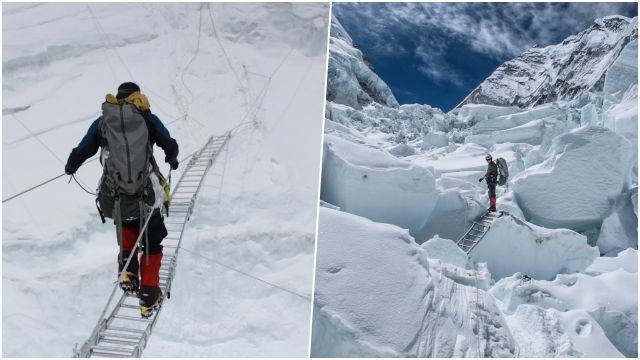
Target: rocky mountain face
{"type": "Point", "coordinates": [564, 71]}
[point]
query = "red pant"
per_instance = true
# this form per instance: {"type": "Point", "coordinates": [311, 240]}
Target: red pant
{"type": "Point", "coordinates": [149, 272]}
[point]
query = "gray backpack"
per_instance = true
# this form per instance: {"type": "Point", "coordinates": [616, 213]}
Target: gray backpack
{"type": "Point", "coordinates": [503, 171]}
{"type": "Point", "coordinates": [125, 193]}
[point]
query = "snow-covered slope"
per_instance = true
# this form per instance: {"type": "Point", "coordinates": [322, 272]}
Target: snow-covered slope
{"type": "Point", "coordinates": [564, 71]}
{"type": "Point", "coordinates": [572, 188]}
{"type": "Point", "coordinates": [257, 211]}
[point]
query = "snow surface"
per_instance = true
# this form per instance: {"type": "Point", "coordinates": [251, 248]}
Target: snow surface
{"type": "Point", "coordinates": [257, 209]}
{"type": "Point", "coordinates": [378, 295]}
{"type": "Point", "coordinates": [571, 149]}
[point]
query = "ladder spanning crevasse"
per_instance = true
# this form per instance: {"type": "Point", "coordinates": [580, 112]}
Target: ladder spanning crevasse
{"type": "Point", "coordinates": [124, 333]}
{"type": "Point", "coordinates": [478, 230]}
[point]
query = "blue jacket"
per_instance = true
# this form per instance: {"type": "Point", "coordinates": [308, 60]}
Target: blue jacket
{"type": "Point", "coordinates": [90, 144]}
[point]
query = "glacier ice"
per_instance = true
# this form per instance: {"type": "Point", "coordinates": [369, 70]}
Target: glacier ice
{"type": "Point", "coordinates": [565, 120]}
{"type": "Point", "coordinates": [512, 245]}
{"type": "Point", "coordinates": [587, 170]}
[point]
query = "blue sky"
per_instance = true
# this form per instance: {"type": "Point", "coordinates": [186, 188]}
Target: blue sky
{"type": "Point", "coordinates": [437, 53]}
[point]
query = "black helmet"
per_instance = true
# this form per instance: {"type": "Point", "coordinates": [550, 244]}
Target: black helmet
{"type": "Point", "coordinates": [488, 157]}
{"type": "Point", "coordinates": [126, 89]}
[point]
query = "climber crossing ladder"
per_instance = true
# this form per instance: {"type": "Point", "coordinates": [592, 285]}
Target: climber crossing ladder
{"type": "Point", "coordinates": [124, 333]}
{"type": "Point", "coordinates": [477, 231]}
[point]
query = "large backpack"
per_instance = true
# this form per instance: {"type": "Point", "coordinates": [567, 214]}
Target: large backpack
{"type": "Point", "coordinates": [126, 191]}
{"type": "Point", "coordinates": [503, 171]}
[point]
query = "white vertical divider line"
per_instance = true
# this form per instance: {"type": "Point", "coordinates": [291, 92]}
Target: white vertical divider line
{"type": "Point", "coordinates": [315, 251]}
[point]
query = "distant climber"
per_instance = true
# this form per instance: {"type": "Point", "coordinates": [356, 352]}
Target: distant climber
{"type": "Point", "coordinates": [130, 189]}
{"type": "Point", "coordinates": [492, 179]}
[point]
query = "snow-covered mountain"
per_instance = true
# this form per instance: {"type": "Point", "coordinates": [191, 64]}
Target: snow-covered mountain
{"type": "Point", "coordinates": [203, 68]}
{"type": "Point", "coordinates": [564, 71]}
{"type": "Point", "coordinates": [400, 186]}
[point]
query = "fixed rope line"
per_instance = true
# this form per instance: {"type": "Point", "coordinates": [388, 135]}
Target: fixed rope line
{"type": "Point", "coordinates": [105, 51]}
{"type": "Point", "coordinates": [34, 135]}
{"type": "Point", "coordinates": [35, 187]}
{"type": "Point", "coordinates": [123, 327]}
{"type": "Point", "coordinates": [215, 32]}
{"type": "Point", "coordinates": [108, 39]}
{"type": "Point", "coordinates": [243, 273]}
{"type": "Point", "coordinates": [81, 187]}
{"type": "Point", "coordinates": [475, 275]}
{"type": "Point", "coordinates": [194, 57]}
{"type": "Point", "coordinates": [40, 141]}
{"type": "Point", "coordinates": [86, 162]}
{"type": "Point", "coordinates": [127, 69]}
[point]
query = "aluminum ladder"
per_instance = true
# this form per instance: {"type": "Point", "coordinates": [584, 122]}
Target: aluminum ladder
{"type": "Point", "coordinates": [124, 333]}
{"type": "Point", "coordinates": [477, 231]}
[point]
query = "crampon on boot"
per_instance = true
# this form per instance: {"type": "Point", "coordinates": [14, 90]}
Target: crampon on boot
{"type": "Point", "coordinates": [129, 282]}
{"type": "Point", "coordinates": [492, 205]}
{"type": "Point", "coordinates": [150, 300]}
{"type": "Point", "coordinates": [150, 293]}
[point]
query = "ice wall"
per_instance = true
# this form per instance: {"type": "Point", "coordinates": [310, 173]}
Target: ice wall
{"type": "Point", "coordinates": [579, 181]}
{"type": "Point", "coordinates": [620, 225]}
{"type": "Point", "coordinates": [376, 185]}
{"type": "Point", "coordinates": [512, 245]}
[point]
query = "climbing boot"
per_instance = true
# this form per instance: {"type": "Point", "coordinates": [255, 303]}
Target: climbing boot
{"type": "Point", "coordinates": [129, 282]}
{"type": "Point", "coordinates": [150, 300]}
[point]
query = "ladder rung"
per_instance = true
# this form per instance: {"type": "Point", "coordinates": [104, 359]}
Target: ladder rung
{"type": "Point", "coordinates": [172, 238]}
{"type": "Point", "coordinates": [112, 348]}
{"type": "Point", "coordinates": [474, 235]}
{"type": "Point", "coordinates": [104, 354]}
{"type": "Point", "coordinates": [170, 246]}
{"type": "Point", "coordinates": [124, 317]}
{"type": "Point", "coordinates": [120, 328]}
{"type": "Point", "coordinates": [174, 222]}
{"type": "Point", "coordinates": [129, 306]}
{"type": "Point", "coordinates": [119, 342]}
{"type": "Point", "coordinates": [122, 336]}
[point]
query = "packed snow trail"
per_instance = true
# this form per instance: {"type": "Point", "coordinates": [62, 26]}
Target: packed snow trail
{"type": "Point", "coordinates": [477, 231]}
{"type": "Point", "coordinates": [126, 333]}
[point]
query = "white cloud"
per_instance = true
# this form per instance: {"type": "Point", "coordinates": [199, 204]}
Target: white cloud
{"type": "Point", "coordinates": [498, 30]}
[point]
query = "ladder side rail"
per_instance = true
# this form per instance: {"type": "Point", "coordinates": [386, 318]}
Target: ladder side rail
{"type": "Point", "coordinates": [502, 213]}
{"type": "Point", "coordinates": [188, 167]}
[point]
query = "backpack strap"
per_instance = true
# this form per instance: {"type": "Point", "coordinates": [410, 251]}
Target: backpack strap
{"type": "Point", "coordinates": [118, 219]}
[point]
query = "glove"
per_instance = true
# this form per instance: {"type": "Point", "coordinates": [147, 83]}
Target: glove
{"type": "Point", "coordinates": [480, 180]}
{"type": "Point", "coordinates": [68, 170]}
{"type": "Point", "coordinates": [174, 164]}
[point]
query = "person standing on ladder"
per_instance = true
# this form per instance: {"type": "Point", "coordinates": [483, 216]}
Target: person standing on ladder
{"type": "Point", "coordinates": [492, 179]}
{"type": "Point", "coordinates": [132, 189]}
